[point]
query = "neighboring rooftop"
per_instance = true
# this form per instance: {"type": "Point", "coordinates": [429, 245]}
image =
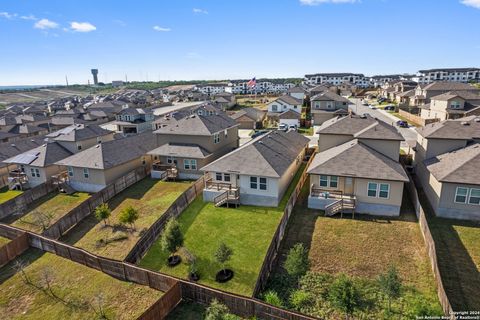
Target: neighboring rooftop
{"type": "Point", "coordinates": [78, 132]}
{"type": "Point", "coordinates": [355, 159]}
{"type": "Point", "coordinates": [449, 86]}
{"type": "Point", "coordinates": [181, 150]}
{"type": "Point", "coordinates": [269, 155]}
{"type": "Point", "coordinates": [459, 166]}
{"type": "Point", "coordinates": [364, 127]}
{"type": "Point", "coordinates": [466, 128]}
{"type": "Point", "coordinates": [329, 96]}
{"type": "Point", "coordinates": [42, 156]}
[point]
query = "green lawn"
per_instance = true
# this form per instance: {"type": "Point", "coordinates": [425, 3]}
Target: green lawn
{"type": "Point", "coordinates": [48, 210]}
{"type": "Point", "coordinates": [187, 310]}
{"type": "Point", "coordinates": [361, 248]}
{"type": "Point", "coordinates": [6, 194]}
{"type": "Point", "coordinates": [458, 251]}
{"type": "Point", "coordinates": [151, 198]}
{"type": "Point", "coordinates": [75, 288]}
{"type": "Point", "coordinates": [3, 241]}
{"type": "Point", "coordinates": [306, 131]}
{"type": "Point", "coordinates": [248, 230]}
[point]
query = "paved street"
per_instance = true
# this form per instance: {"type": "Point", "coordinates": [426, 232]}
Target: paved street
{"type": "Point", "coordinates": [408, 133]}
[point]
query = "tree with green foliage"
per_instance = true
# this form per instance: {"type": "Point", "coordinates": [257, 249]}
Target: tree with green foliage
{"type": "Point", "coordinates": [129, 215]}
{"type": "Point", "coordinates": [344, 296]}
{"type": "Point", "coordinates": [103, 212]}
{"type": "Point", "coordinates": [223, 254]}
{"type": "Point", "coordinates": [300, 299]}
{"type": "Point", "coordinates": [172, 237]}
{"type": "Point", "coordinates": [272, 297]}
{"type": "Point", "coordinates": [390, 285]}
{"type": "Point", "coordinates": [297, 263]}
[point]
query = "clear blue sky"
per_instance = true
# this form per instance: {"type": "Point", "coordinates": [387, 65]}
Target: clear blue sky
{"type": "Point", "coordinates": [42, 41]}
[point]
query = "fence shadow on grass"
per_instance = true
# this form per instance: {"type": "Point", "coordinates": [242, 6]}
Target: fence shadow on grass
{"type": "Point", "coordinates": [136, 191]}
{"type": "Point", "coordinates": [28, 257]}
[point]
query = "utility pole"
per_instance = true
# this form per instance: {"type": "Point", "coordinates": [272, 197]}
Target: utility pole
{"type": "Point", "coordinates": [66, 80]}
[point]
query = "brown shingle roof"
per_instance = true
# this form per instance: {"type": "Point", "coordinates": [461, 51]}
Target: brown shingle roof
{"type": "Point", "coordinates": [464, 129]}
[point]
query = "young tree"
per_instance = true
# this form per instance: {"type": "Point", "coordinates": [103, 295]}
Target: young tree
{"type": "Point", "coordinates": [390, 285]}
{"type": "Point", "coordinates": [191, 260]}
{"type": "Point", "coordinates": [297, 263]}
{"type": "Point", "coordinates": [129, 215]}
{"type": "Point", "coordinates": [172, 237]}
{"type": "Point", "coordinates": [223, 254]}
{"type": "Point", "coordinates": [344, 296]}
{"type": "Point", "coordinates": [103, 212]}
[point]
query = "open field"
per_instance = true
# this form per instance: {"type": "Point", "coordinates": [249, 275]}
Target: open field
{"type": "Point", "coordinates": [75, 291]}
{"type": "Point", "coordinates": [151, 198]}
{"type": "Point", "coordinates": [361, 248]}
{"type": "Point", "coordinates": [47, 210]}
{"type": "Point", "coordinates": [247, 230]}
{"type": "Point", "coordinates": [260, 102]}
{"type": "Point", "coordinates": [6, 194]}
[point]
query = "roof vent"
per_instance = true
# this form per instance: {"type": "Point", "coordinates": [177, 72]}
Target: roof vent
{"type": "Point", "coordinates": [465, 123]}
{"type": "Point", "coordinates": [477, 119]}
{"type": "Point", "coordinates": [14, 145]}
{"type": "Point", "coordinates": [97, 146]}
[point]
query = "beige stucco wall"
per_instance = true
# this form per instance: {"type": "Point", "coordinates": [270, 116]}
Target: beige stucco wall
{"type": "Point", "coordinates": [180, 164]}
{"type": "Point", "coordinates": [389, 148]}
{"type": "Point", "coordinates": [73, 146]}
{"type": "Point", "coordinates": [327, 141]}
{"type": "Point", "coordinates": [46, 174]}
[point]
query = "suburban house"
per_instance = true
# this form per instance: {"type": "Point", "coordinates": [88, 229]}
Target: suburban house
{"type": "Point", "coordinates": [298, 92]}
{"type": "Point", "coordinates": [258, 173]}
{"type": "Point", "coordinates": [284, 103]}
{"type": "Point", "coordinates": [249, 118]}
{"type": "Point", "coordinates": [357, 168]}
{"type": "Point", "coordinates": [447, 162]}
{"type": "Point", "coordinates": [94, 168]}
{"type": "Point", "coordinates": [39, 164]}
{"type": "Point", "coordinates": [225, 100]}
{"type": "Point", "coordinates": [452, 105]}
{"type": "Point", "coordinates": [423, 93]}
{"type": "Point", "coordinates": [289, 118]}
{"type": "Point", "coordinates": [327, 105]}
{"type": "Point", "coordinates": [131, 121]}
{"type": "Point", "coordinates": [192, 142]}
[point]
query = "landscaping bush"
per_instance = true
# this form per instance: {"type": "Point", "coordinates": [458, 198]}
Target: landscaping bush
{"type": "Point", "coordinates": [300, 300]}
{"type": "Point", "coordinates": [297, 263]}
{"type": "Point", "coordinates": [218, 311]}
{"type": "Point", "coordinates": [271, 297]}
{"type": "Point", "coordinates": [344, 296]}
{"type": "Point", "coordinates": [129, 215]}
{"type": "Point", "coordinates": [103, 212]}
{"type": "Point", "coordinates": [390, 285]}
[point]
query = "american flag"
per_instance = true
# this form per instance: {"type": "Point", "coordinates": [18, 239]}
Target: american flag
{"type": "Point", "coordinates": [252, 83]}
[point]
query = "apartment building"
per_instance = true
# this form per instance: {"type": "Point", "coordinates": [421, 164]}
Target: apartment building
{"type": "Point", "coordinates": [357, 79]}
{"type": "Point", "coordinates": [449, 74]}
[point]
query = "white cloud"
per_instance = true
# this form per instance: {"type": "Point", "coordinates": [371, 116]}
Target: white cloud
{"type": "Point", "coordinates": [44, 24]}
{"type": "Point", "coordinates": [317, 2]}
{"type": "Point", "coordinates": [82, 26]}
{"type": "Point", "coordinates": [161, 29]}
{"type": "Point", "coordinates": [7, 15]}
{"type": "Point", "coordinates": [471, 3]}
{"type": "Point", "coordinates": [29, 17]}
{"type": "Point", "coordinates": [199, 11]}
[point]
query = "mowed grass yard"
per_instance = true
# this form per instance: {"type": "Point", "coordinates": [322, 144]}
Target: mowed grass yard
{"type": "Point", "coordinates": [151, 198]}
{"type": "Point", "coordinates": [76, 288]}
{"type": "Point", "coordinates": [6, 194]}
{"type": "Point", "coordinates": [49, 209]}
{"type": "Point", "coordinates": [247, 230]}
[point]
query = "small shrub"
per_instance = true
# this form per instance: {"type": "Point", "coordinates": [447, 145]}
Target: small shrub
{"type": "Point", "coordinates": [223, 254]}
{"type": "Point", "coordinates": [297, 263]}
{"type": "Point", "coordinates": [344, 296]}
{"type": "Point", "coordinates": [103, 212]}
{"type": "Point", "coordinates": [300, 299]}
{"type": "Point", "coordinates": [216, 311]}
{"type": "Point", "coordinates": [390, 285]}
{"type": "Point", "coordinates": [271, 297]}
{"type": "Point", "coordinates": [172, 237]}
{"type": "Point", "coordinates": [129, 215]}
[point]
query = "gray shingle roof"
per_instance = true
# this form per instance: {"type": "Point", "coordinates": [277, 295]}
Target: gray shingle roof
{"type": "Point", "coordinates": [360, 127]}
{"type": "Point", "coordinates": [466, 95]}
{"type": "Point", "coordinates": [355, 159]}
{"type": "Point", "coordinates": [8, 149]}
{"type": "Point", "coordinates": [289, 114]}
{"type": "Point", "coordinates": [452, 129]}
{"type": "Point", "coordinates": [42, 156]}
{"type": "Point", "coordinates": [252, 113]}
{"type": "Point", "coordinates": [289, 100]}
{"type": "Point", "coordinates": [269, 155]}
{"type": "Point", "coordinates": [204, 125]}
{"type": "Point", "coordinates": [329, 96]}
{"type": "Point", "coordinates": [78, 132]}
{"type": "Point", "coordinates": [181, 150]}
{"type": "Point", "coordinates": [110, 154]}
{"type": "Point", "coordinates": [460, 166]}
{"type": "Point", "coordinates": [449, 86]}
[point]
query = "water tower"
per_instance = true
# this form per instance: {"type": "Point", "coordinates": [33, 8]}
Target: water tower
{"type": "Point", "coordinates": [95, 76]}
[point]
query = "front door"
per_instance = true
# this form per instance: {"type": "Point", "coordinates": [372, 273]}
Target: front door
{"type": "Point", "coordinates": [348, 185]}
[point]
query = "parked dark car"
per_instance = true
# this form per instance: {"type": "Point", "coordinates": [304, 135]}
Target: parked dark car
{"type": "Point", "coordinates": [380, 100]}
{"type": "Point", "coordinates": [402, 124]}
{"type": "Point", "coordinates": [389, 108]}
{"type": "Point", "coordinates": [258, 133]}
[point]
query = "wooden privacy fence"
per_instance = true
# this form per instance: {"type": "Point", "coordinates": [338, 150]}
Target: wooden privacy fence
{"type": "Point", "coordinates": [272, 253]}
{"type": "Point", "coordinates": [20, 203]}
{"type": "Point", "coordinates": [84, 209]}
{"type": "Point", "coordinates": [152, 234]}
{"type": "Point", "coordinates": [164, 305]}
{"type": "Point", "coordinates": [416, 119]}
{"type": "Point", "coordinates": [430, 243]}
{"type": "Point", "coordinates": [13, 249]}
{"type": "Point", "coordinates": [240, 305]}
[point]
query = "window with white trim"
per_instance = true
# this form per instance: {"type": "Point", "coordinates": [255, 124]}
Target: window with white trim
{"type": "Point", "coordinates": [328, 181]}
{"type": "Point", "coordinates": [35, 172]}
{"type": "Point", "coordinates": [253, 182]}
{"type": "Point", "coordinates": [474, 196]}
{"type": "Point", "coordinates": [218, 176]}
{"type": "Point", "coordinates": [384, 191]}
{"type": "Point", "coordinates": [263, 184]}
{"type": "Point", "coordinates": [171, 160]}
{"type": "Point", "coordinates": [190, 164]}
{"type": "Point", "coordinates": [216, 138]}
{"type": "Point", "coordinates": [86, 173]}
{"type": "Point", "coordinates": [461, 195]}
{"type": "Point", "coordinates": [372, 189]}
{"type": "Point", "coordinates": [70, 171]}
{"type": "Point", "coordinates": [226, 177]}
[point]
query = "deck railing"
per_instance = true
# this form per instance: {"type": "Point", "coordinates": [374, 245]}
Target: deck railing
{"type": "Point", "coordinates": [210, 184]}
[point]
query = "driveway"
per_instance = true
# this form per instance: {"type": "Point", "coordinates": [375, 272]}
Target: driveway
{"type": "Point", "coordinates": [244, 135]}
{"type": "Point", "coordinates": [409, 134]}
